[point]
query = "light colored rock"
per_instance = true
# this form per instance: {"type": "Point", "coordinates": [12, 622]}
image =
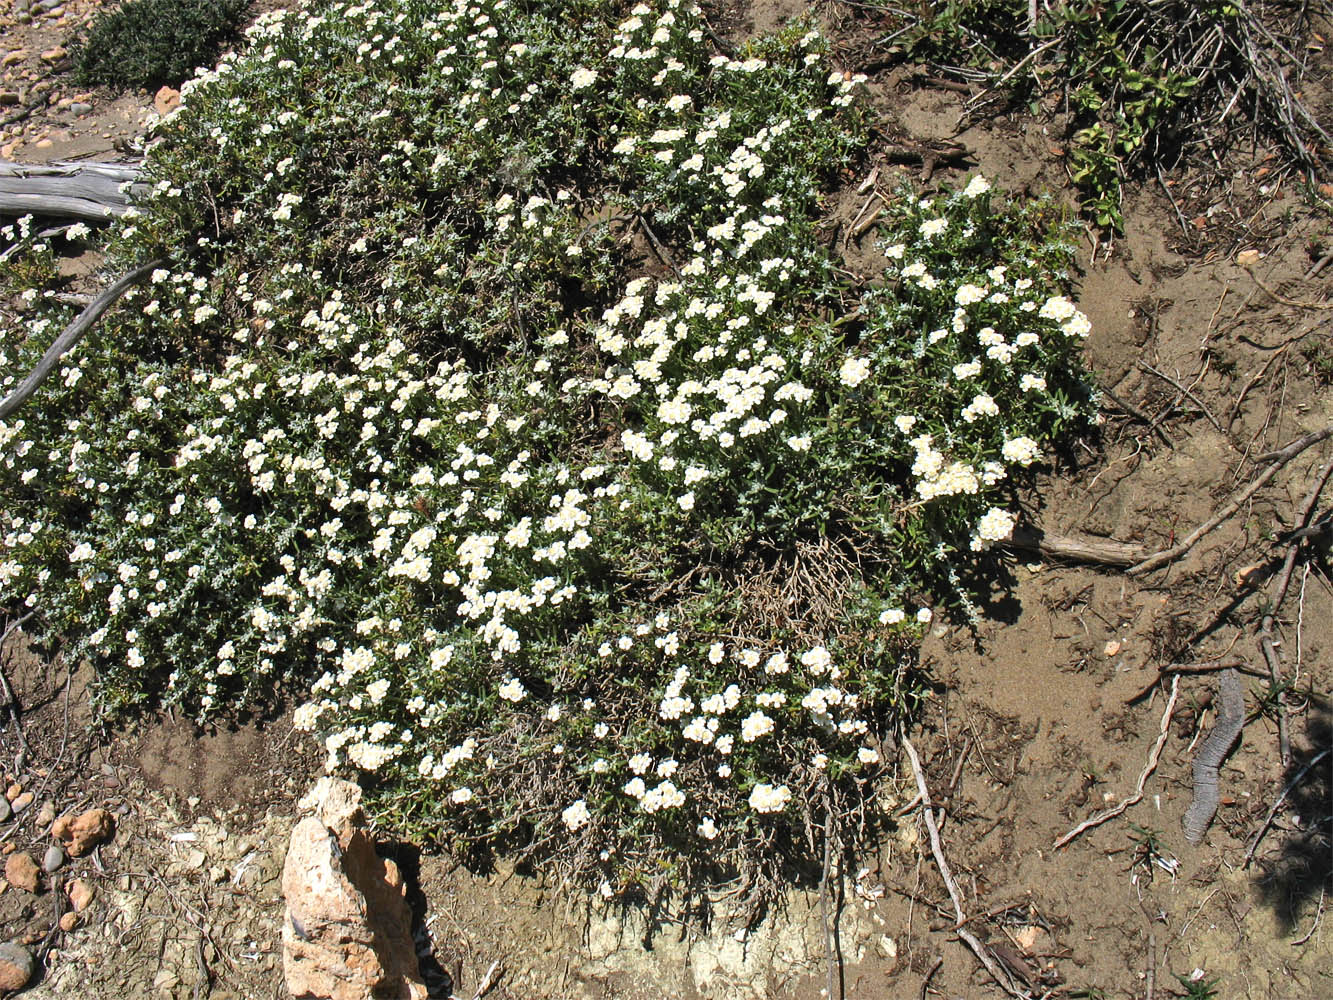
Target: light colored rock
{"type": "Point", "coordinates": [45, 814]}
{"type": "Point", "coordinates": [15, 966]}
{"type": "Point", "coordinates": [166, 100]}
{"type": "Point", "coordinates": [80, 834]}
{"type": "Point", "coordinates": [54, 55]}
{"type": "Point", "coordinates": [68, 921]}
{"type": "Point", "coordinates": [22, 872]}
{"type": "Point", "coordinates": [335, 803]}
{"type": "Point", "coordinates": [22, 801]}
{"type": "Point", "coordinates": [347, 934]}
{"type": "Point", "coordinates": [80, 895]}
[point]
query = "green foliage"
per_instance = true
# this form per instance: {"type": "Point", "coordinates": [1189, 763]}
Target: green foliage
{"type": "Point", "coordinates": [1197, 988]}
{"type": "Point", "coordinates": [563, 549]}
{"type": "Point", "coordinates": [148, 43]}
{"type": "Point", "coordinates": [1138, 80]}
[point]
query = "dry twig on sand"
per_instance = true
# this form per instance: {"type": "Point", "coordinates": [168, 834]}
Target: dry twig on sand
{"type": "Point", "coordinates": [971, 940]}
{"type": "Point", "coordinates": [1153, 756]}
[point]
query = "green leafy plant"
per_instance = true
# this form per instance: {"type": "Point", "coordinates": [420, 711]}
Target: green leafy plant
{"type": "Point", "coordinates": [148, 43]}
{"type": "Point", "coordinates": [1197, 987]}
{"type": "Point", "coordinates": [563, 549]}
{"type": "Point", "coordinates": [1141, 83]}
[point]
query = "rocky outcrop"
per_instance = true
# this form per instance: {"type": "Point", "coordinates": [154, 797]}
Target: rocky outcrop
{"type": "Point", "coordinates": [347, 934]}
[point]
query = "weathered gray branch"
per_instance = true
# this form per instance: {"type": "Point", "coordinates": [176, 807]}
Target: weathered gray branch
{"type": "Point", "coordinates": [90, 191]}
{"type": "Point", "coordinates": [71, 336]}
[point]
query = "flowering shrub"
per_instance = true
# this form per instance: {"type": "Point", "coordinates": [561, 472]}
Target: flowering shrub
{"type": "Point", "coordinates": [594, 554]}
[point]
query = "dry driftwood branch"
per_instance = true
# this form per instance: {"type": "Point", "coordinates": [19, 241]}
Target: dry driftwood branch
{"type": "Point", "coordinates": [1085, 550]}
{"type": "Point", "coordinates": [89, 191]}
{"type": "Point", "coordinates": [71, 336]}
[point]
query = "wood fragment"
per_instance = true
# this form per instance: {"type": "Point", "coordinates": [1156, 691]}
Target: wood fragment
{"type": "Point", "coordinates": [91, 191]}
{"type": "Point", "coordinates": [72, 335]}
{"type": "Point", "coordinates": [1076, 548]}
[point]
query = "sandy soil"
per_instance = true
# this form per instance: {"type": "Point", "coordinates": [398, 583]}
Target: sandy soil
{"type": "Point", "coordinates": [1043, 716]}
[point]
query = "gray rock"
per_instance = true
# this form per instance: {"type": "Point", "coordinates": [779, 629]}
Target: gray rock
{"type": "Point", "coordinates": [55, 857]}
{"type": "Point", "coordinates": [6, 810]}
{"type": "Point", "coordinates": [80, 108]}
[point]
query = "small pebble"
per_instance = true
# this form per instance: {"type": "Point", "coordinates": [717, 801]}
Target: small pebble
{"type": "Point", "coordinates": [6, 810]}
{"type": "Point", "coordinates": [55, 857]}
{"type": "Point", "coordinates": [69, 921]}
{"type": "Point", "coordinates": [80, 108]}
{"type": "Point", "coordinates": [46, 814]}
{"type": "Point", "coordinates": [24, 800]}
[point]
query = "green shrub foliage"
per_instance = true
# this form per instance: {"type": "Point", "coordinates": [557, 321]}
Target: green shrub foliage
{"type": "Point", "coordinates": [149, 43]}
{"type": "Point", "coordinates": [500, 399]}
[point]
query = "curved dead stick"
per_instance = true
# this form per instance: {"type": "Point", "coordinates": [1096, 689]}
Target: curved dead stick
{"type": "Point", "coordinates": [1274, 460]}
{"type": "Point", "coordinates": [71, 336]}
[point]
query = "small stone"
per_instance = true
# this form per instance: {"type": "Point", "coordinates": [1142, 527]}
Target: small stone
{"type": "Point", "coordinates": [46, 814]}
{"type": "Point", "coordinates": [80, 107]}
{"type": "Point", "coordinates": [80, 834]}
{"type": "Point", "coordinates": [80, 895]}
{"type": "Point", "coordinates": [54, 858]}
{"type": "Point", "coordinates": [16, 56]}
{"type": "Point", "coordinates": [55, 55]}
{"type": "Point", "coordinates": [24, 800]}
{"type": "Point", "coordinates": [6, 810]}
{"type": "Point", "coordinates": [69, 921]}
{"type": "Point", "coordinates": [21, 872]}
{"type": "Point", "coordinates": [166, 100]}
{"type": "Point", "coordinates": [13, 791]}
{"type": "Point", "coordinates": [15, 966]}
{"type": "Point", "coordinates": [9, 97]}
{"type": "Point", "coordinates": [43, 144]}
{"type": "Point", "coordinates": [195, 859]}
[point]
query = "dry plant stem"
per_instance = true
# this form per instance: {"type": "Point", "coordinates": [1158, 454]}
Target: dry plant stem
{"type": "Point", "coordinates": [1274, 460]}
{"type": "Point", "coordinates": [1279, 594]}
{"type": "Point", "coordinates": [823, 894]}
{"type": "Point", "coordinates": [1277, 296]}
{"type": "Point", "coordinates": [1149, 767]}
{"type": "Point", "coordinates": [1318, 917]}
{"type": "Point", "coordinates": [1144, 366]}
{"type": "Point", "coordinates": [72, 335]}
{"type": "Point", "coordinates": [1295, 448]}
{"type": "Point", "coordinates": [1268, 820]}
{"type": "Point", "coordinates": [927, 812]}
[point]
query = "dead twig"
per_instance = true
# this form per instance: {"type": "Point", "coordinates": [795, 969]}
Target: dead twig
{"type": "Point", "coordinates": [1268, 820]}
{"type": "Point", "coordinates": [1267, 643]}
{"type": "Point", "coordinates": [1144, 366]}
{"type": "Point", "coordinates": [1140, 415]}
{"type": "Point", "coordinates": [1277, 296]}
{"type": "Point", "coordinates": [927, 812]}
{"type": "Point", "coordinates": [1153, 756]}
{"type": "Point", "coordinates": [1274, 461]}
{"type": "Point", "coordinates": [71, 335]}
